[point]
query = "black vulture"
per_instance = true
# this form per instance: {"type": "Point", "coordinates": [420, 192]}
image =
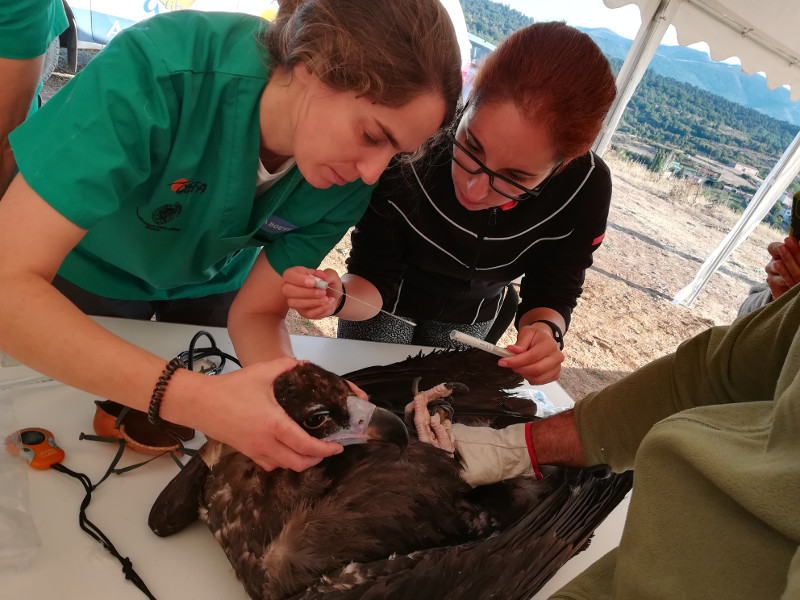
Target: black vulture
{"type": "Point", "coordinates": [390, 518]}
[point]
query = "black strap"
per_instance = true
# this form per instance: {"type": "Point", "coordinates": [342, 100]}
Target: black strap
{"type": "Point", "coordinates": [340, 306]}
{"type": "Point", "coordinates": [94, 531]}
{"type": "Point", "coordinates": [558, 335]}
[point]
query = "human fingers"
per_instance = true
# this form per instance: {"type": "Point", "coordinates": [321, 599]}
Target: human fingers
{"type": "Point", "coordinates": [539, 362]}
{"type": "Point", "coordinates": [770, 267]}
{"type": "Point", "coordinates": [774, 249]}
{"type": "Point", "coordinates": [298, 284]}
{"type": "Point", "coordinates": [534, 342]}
{"type": "Point", "coordinates": [781, 269]}
{"type": "Point", "coordinates": [790, 254]}
{"type": "Point", "coordinates": [314, 308]}
{"type": "Point", "coordinates": [273, 440]}
{"type": "Point", "coordinates": [776, 279]}
{"type": "Point", "coordinates": [541, 371]}
{"type": "Point", "coordinates": [296, 449]}
{"type": "Point", "coordinates": [331, 276]}
{"type": "Point", "coordinates": [359, 393]}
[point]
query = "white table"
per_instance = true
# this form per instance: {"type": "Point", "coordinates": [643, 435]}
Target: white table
{"type": "Point", "coordinates": [70, 564]}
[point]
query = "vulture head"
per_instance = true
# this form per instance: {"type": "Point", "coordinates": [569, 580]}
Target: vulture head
{"type": "Point", "coordinates": [392, 517]}
{"type": "Point", "coordinates": [324, 405]}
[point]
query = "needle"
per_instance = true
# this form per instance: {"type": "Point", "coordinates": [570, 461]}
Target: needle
{"type": "Point", "coordinates": [323, 285]}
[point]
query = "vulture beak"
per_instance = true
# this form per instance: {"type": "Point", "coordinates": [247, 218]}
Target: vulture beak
{"type": "Point", "coordinates": [370, 423]}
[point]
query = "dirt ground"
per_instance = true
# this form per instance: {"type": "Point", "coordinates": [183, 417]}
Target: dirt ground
{"type": "Point", "coordinates": [659, 233]}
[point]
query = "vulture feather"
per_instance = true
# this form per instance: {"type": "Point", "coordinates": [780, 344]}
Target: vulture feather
{"type": "Point", "coordinates": [390, 517]}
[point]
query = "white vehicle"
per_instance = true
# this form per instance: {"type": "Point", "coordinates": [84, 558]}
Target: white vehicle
{"type": "Point", "coordinates": [93, 23]}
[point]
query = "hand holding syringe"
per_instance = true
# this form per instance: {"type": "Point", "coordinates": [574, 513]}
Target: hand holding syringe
{"type": "Point", "coordinates": [323, 285]}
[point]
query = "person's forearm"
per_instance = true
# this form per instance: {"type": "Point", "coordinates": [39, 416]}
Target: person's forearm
{"type": "Point", "coordinates": [20, 78]}
{"type": "Point", "coordinates": [556, 442]}
{"type": "Point", "coordinates": [258, 337]}
{"type": "Point", "coordinates": [42, 329]}
{"type": "Point", "coordinates": [363, 299]}
{"type": "Point", "coordinates": [8, 166]}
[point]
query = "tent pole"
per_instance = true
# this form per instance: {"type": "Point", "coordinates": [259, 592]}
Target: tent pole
{"type": "Point", "coordinates": [656, 18]}
{"type": "Point", "coordinates": [764, 199]}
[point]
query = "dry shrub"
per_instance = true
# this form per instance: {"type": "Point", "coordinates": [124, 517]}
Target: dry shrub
{"type": "Point", "coordinates": [635, 173]}
{"type": "Point", "coordinates": [675, 190]}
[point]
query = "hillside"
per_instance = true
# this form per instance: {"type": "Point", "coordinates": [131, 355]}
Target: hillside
{"type": "Point", "coordinates": [666, 112]}
{"type": "Point", "coordinates": [696, 68]}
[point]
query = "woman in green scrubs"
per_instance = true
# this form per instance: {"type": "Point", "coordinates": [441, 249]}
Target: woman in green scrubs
{"type": "Point", "coordinates": [200, 153]}
{"type": "Point", "coordinates": [26, 31]}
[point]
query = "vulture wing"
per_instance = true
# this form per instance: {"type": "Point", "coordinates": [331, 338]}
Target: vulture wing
{"type": "Point", "coordinates": [490, 400]}
{"type": "Point", "coordinates": [513, 564]}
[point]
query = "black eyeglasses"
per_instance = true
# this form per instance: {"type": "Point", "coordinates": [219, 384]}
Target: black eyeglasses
{"type": "Point", "coordinates": [500, 184]}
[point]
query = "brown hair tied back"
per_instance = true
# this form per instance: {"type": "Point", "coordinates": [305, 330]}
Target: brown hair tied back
{"type": "Point", "coordinates": [386, 50]}
{"type": "Point", "coordinates": [556, 76]}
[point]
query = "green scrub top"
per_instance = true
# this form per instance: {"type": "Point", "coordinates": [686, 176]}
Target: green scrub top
{"type": "Point", "coordinates": [153, 148]}
{"type": "Point", "coordinates": [27, 28]}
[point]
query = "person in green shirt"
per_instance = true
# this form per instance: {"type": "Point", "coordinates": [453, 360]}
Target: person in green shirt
{"type": "Point", "coordinates": [26, 30]}
{"type": "Point", "coordinates": [201, 153]}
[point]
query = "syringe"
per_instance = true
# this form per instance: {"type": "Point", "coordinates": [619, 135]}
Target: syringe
{"type": "Point", "coordinates": [323, 285]}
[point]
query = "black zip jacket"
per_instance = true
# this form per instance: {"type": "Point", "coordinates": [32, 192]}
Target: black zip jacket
{"type": "Point", "coordinates": [432, 259]}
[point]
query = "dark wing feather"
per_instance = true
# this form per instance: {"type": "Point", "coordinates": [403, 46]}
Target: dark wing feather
{"type": "Point", "coordinates": [179, 502]}
{"type": "Point", "coordinates": [487, 402]}
{"type": "Point", "coordinates": [513, 564]}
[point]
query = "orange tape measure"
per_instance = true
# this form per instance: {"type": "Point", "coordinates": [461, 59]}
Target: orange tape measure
{"type": "Point", "coordinates": [36, 445]}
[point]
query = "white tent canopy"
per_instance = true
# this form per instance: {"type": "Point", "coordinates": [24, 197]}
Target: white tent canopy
{"type": "Point", "coordinates": [765, 36]}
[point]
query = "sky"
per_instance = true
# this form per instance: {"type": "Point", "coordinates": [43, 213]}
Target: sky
{"type": "Point", "coordinates": [624, 21]}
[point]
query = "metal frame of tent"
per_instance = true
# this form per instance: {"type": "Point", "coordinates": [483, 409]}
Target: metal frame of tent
{"type": "Point", "coordinates": [764, 36]}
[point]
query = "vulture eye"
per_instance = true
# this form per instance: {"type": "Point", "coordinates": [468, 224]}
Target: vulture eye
{"type": "Point", "coordinates": [317, 420]}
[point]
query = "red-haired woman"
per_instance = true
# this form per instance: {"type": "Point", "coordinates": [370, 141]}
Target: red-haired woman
{"type": "Point", "coordinates": [512, 191]}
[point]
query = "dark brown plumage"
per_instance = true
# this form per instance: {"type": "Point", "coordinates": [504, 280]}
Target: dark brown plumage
{"type": "Point", "coordinates": [382, 519]}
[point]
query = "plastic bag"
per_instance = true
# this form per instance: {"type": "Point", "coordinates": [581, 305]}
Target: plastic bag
{"type": "Point", "coordinates": [544, 408]}
{"type": "Point", "coordinates": [19, 538]}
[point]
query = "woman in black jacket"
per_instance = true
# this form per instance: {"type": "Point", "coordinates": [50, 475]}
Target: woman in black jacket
{"type": "Point", "coordinates": [512, 190]}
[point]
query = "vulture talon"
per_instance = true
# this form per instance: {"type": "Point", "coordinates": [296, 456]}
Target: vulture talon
{"type": "Point", "coordinates": [443, 408]}
{"type": "Point", "coordinates": [431, 415]}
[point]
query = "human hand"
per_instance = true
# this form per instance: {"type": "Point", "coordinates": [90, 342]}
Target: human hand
{"type": "Point", "coordinates": [302, 294]}
{"type": "Point", "coordinates": [783, 270]}
{"type": "Point", "coordinates": [241, 411]}
{"type": "Point", "coordinates": [359, 393]}
{"type": "Point", "coordinates": [538, 358]}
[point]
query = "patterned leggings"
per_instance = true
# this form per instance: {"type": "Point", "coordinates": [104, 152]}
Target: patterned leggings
{"type": "Point", "coordinates": [383, 328]}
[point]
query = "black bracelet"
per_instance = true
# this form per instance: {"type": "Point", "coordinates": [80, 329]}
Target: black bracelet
{"type": "Point", "coordinates": [158, 392]}
{"type": "Point", "coordinates": [558, 335]}
{"type": "Point", "coordinates": [340, 306]}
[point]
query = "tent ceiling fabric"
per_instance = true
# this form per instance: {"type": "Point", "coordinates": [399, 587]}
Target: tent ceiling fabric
{"type": "Point", "coordinates": [763, 34]}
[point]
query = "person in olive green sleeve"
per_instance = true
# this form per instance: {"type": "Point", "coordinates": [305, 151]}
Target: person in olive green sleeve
{"type": "Point", "coordinates": [712, 433]}
{"type": "Point", "coordinates": [26, 30]}
{"type": "Point", "coordinates": [200, 154]}
{"type": "Point", "coordinates": [783, 272]}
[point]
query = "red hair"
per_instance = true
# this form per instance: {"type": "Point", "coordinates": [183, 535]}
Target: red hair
{"type": "Point", "coordinates": [556, 76]}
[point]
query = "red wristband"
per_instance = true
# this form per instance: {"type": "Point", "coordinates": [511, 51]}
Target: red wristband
{"type": "Point", "coordinates": [532, 452]}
